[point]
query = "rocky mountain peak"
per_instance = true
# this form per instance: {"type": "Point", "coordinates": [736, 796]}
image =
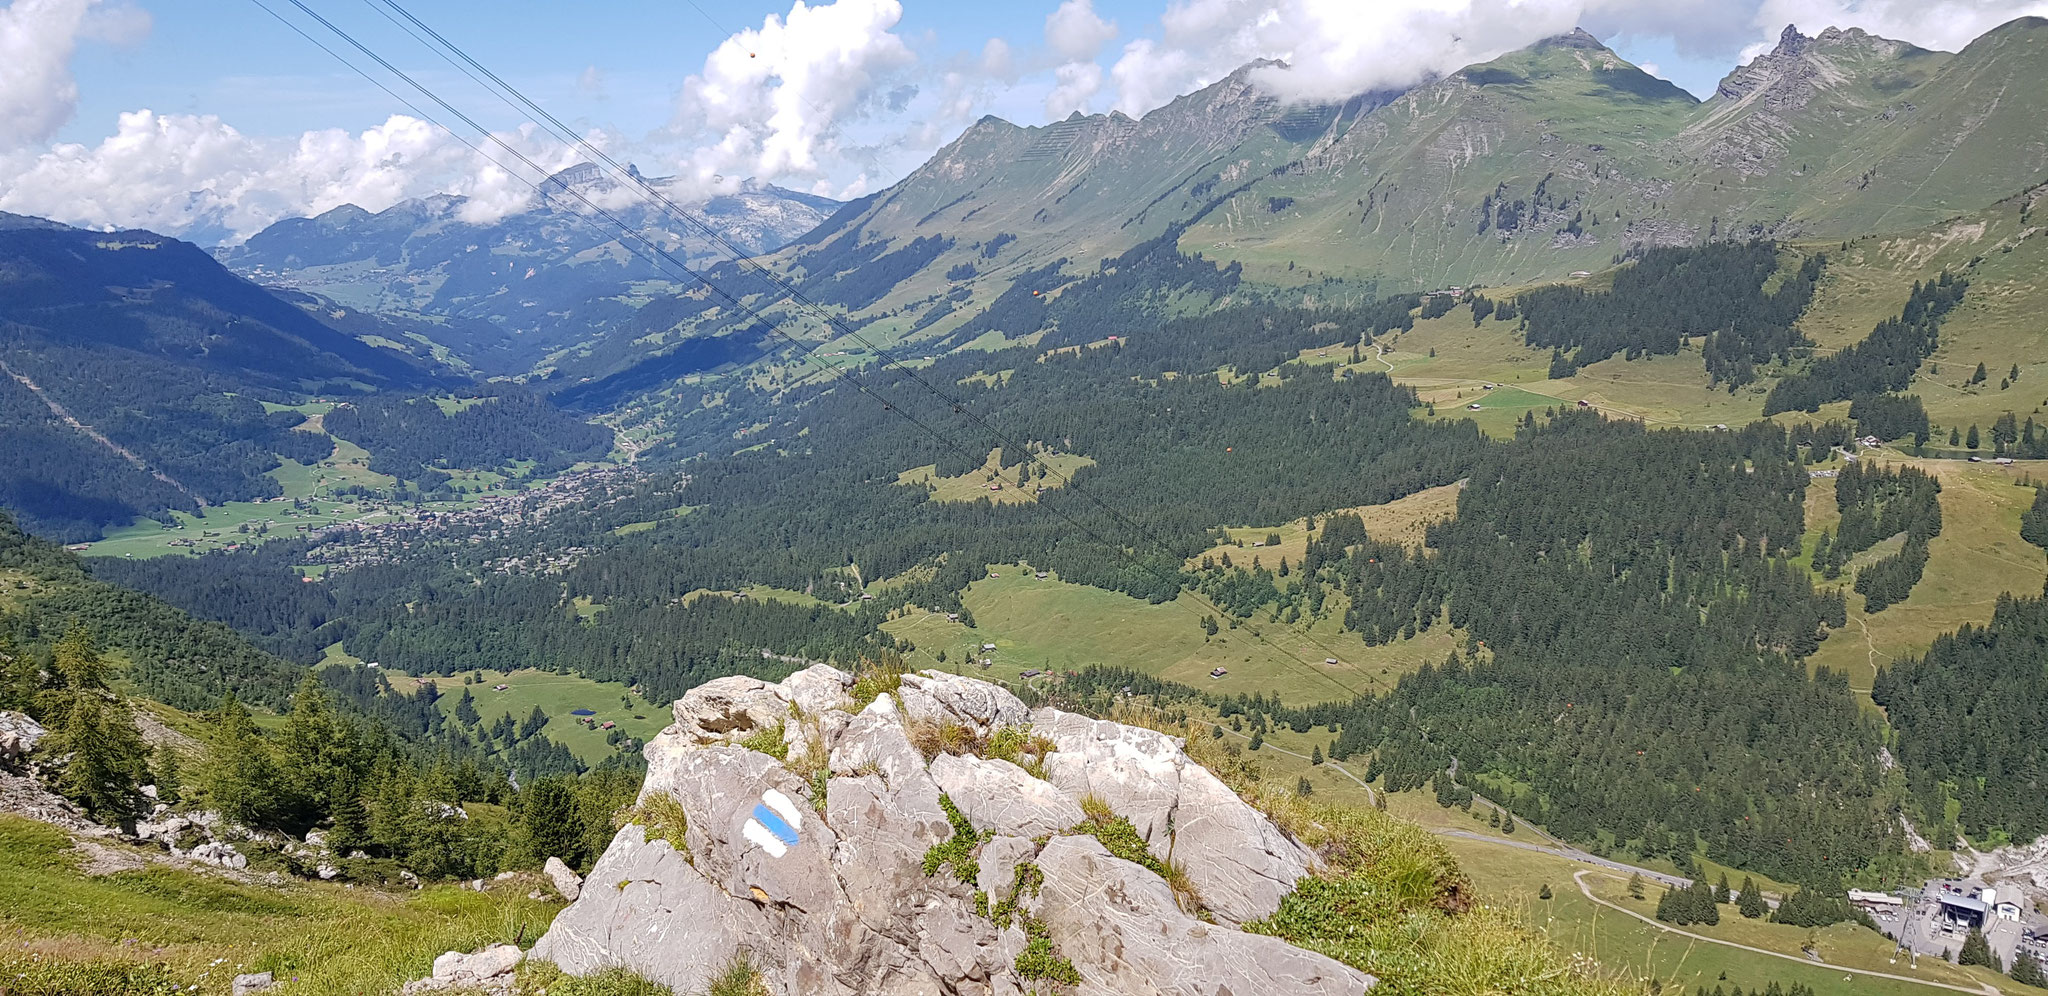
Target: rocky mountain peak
{"type": "Point", "coordinates": [1801, 63]}
{"type": "Point", "coordinates": [943, 838]}
{"type": "Point", "coordinates": [1578, 38]}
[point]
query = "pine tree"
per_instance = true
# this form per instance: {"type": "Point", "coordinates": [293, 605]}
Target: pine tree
{"type": "Point", "coordinates": [1258, 739]}
{"type": "Point", "coordinates": [1751, 901]}
{"type": "Point", "coordinates": [2027, 972]}
{"type": "Point", "coordinates": [1543, 893]}
{"type": "Point", "coordinates": [465, 709]}
{"type": "Point", "coordinates": [93, 726]}
{"type": "Point", "coordinates": [239, 776]}
{"type": "Point", "coordinates": [1703, 908]}
{"type": "Point", "coordinates": [1315, 755]}
{"type": "Point", "coordinates": [1669, 906]}
{"type": "Point", "coordinates": [1977, 951]}
{"type": "Point", "coordinates": [169, 774]}
{"type": "Point", "coordinates": [1635, 885]}
{"type": "Point", "coordinates": [547, 822]}
{"type": "Point", "coordinates": [1955, 437]}
{"type": "Point", "coordinates": [1721, 889]}
{"type": "Point", "coordinates": [1972, 439]}
{"type": "Point", "coordinates": [1507, 822]}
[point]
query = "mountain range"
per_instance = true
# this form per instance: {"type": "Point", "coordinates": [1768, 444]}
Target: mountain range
{"type": "Point", "coordinates": [1553, 159]}
{"type": "Point", "coordinates": [507, 292]}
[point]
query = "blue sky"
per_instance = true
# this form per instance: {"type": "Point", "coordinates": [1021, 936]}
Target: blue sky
{"type": "Point", "coordinates": [213, 118]}
{"type": "Point", "coordinates": [229, 58]}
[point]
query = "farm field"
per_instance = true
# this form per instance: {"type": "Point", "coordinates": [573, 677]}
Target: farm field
{"type": "Point", "coordinates": [557, 695]}
{"type": "Point", "coordinates": [1049, 624]}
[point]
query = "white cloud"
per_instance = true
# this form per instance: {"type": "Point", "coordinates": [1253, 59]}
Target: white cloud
{"type": "Point", "coordinates": [1942, 24]}
{"type": "Point", "coordinates": [773, 101]}
{"type": "Point", "coordinates": [37, 38]}
{"type": "Point", "coordinates": [830, 97]}
{"type": "Point", "coordinates": [177, 172]}
{"type": "Point", "coordinates": [1653, 69]}
{"type": "Point", "coordinates": [1333, 48]}
{"type": "Point", "coordinates": [1076, 33]}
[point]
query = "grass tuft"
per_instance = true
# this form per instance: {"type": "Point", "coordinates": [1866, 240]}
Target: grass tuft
{"type": "Point", "coordinates": [740, 978]}
{"type": "Point", "coordinates": [662, 814]}
{"type": "Point", "coordinates": [768, 740]}
{"type": "Point", "coordinates": [872, 678]}
{"type": "Point", "coordinates": [536, 977]}
{"type": "Point", "coordinates": [957, 851]}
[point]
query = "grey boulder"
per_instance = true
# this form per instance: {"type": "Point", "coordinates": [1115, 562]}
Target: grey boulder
{"type": "Point", "coordinates": [564, 877]}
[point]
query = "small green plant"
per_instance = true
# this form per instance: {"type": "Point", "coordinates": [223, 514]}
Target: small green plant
{"type": "Point", "coordinates": [873, 678]}
{"type": "Point", "coordinates": [957, 851]}
{"type": "Point", "coordinates": [740, 978]}
{"type": "Point", "coordinates": [768, 740]}
{"type": "Point", "coordinates": [664, 819]}
{"type": "Point", "coordinates": [1041, 961]}
{"type": "Point", "coordinates": [1121, 839]}
{"type": "Point", "coordinates": [1024, 882]}
{"type": "Point", "coordinates": [1021, 747]}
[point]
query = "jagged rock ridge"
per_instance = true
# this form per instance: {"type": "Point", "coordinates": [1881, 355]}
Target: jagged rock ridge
{"type": "Point", "coordinates": [822, 872]}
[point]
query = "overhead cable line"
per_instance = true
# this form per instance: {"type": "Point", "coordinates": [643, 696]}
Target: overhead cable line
{"type": "Point", "coordinates": [743, 259]}
{"type": "Point", "coordinates": [656, 255]}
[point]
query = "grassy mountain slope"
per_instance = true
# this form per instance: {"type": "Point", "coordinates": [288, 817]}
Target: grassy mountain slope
{"type": "Point", "coordinates": [135, 374]}
{"type": "Point", "coordinates": [170, 656]}
{"type": "Point", "coordinates": [1838, 135]}
{"type": "Point", "coordinates": [1500, 169]}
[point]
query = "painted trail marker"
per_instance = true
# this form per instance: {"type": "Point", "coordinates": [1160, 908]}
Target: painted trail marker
{"type": "Point", "coordinates": [774, 825]}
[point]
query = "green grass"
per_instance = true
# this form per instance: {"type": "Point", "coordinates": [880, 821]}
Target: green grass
{"type": "Point", "coordinates": [557, 695]}
{"type": "Point", "coordinates": [1050, 624]}
{"type": "Point", "coordinates": [321, 940]}
{"type": "Point", "coordinates": [1977, 557]}
{"type": "Point", "coordinates": [974, 485]}
{"type": "Point", "coordinates": [1402, 520]}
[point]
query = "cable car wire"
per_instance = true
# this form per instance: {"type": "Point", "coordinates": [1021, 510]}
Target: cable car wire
{"type": "Point", "coordinates": [808, 351]}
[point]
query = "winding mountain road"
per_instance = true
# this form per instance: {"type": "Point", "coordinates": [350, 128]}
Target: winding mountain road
{"type": "Point", "coordinates": [1580, 877]}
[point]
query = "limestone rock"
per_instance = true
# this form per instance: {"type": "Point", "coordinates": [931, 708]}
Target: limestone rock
{"type": "Point", "coordinates": [1119, 925]}
{"type": "Point", "coordinates": [818, 689]}
{"type": "Point", "coordinates": [1002, 797]}
{"type": "Point", "coordinates": [977, 705]}
{"type": "Point", "coordinates": [827, 892]}
{"type": "Point", "coordinates": [727, 709]}
{"type": "Point", "coordinates": [256, 982]}
{"type": "Point", "coordinates": [565, 879]}
{"type": "Point", "coordinates": [489, 970]}
{"type": "Point", "coordinates": [1236, 858]}
{"type": "Point", "coordinates": [217, 853]}
{"type": "Point", "coordinates": [18, 737]}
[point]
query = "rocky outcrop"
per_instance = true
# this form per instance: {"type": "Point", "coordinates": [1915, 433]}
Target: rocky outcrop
{"type": "Point", "coordinates": [828, 874]}
{"type": "Point", "coordinates": [18, 738]}
{"type": "Point", "coordinates": [1236, 858]}
{"type": "Point", "coordinates": [490, 970]}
